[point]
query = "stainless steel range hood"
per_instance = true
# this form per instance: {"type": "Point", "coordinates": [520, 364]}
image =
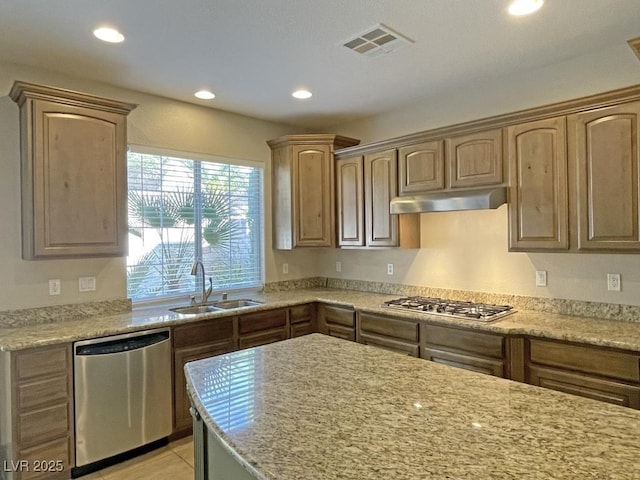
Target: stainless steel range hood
{"type": "Point", "coordinates": [451, 201]}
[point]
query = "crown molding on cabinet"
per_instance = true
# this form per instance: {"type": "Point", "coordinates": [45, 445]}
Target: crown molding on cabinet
{"type": "Point", "coordinates": [634, 43]}
{"type": "Point", "coordinates": [607, 99]}
{"type": "Point", "coordinates": [21, 91]}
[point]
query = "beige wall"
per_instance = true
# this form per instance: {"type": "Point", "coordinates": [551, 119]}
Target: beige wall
{"type": "Point", "coordinates": [468, 250]}
{"type": "Point", "coordinates": [157, 122]}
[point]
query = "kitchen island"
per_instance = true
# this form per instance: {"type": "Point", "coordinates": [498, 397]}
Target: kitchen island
{"type": "Point", "coordinates": [316, 407]}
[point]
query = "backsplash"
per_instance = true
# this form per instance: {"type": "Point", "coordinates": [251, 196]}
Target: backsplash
{"type": "Point", "coordinates": [55, 313]}
{"type": "Point", "coordinates": [608, 311]}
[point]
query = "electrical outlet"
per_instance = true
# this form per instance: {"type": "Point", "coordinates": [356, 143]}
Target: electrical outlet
{"type": "Point", "coordinates": [541, 278]}
{"type": "Point", "coordinates": [338, 266]}
{"type": "Point", "coordinates": [614, 284]}
{"type": "Point", "coordinates": [389, 268]}
{"type": "Point", "coordinates": [285, 268]}
{"type": "Point", "coordinates": [54, 287]}
{"type": "Point", "coordinates": [87, 284]}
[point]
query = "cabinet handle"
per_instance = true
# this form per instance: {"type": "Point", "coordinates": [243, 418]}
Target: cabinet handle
{"type": "Point", "coordinates": [194, 413]}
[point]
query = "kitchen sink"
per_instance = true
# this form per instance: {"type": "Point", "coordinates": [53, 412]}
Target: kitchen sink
{"type": "Point", "coordinates": [239, 303]}
{"type": "Point", "coordinates": [215, 306]}
{"type": "Point", "coordinates": [195, 309]}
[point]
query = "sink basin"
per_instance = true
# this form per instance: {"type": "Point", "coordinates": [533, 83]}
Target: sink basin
{"type": "Point", "coordinates": [239, 303]}
{"type": "Point", "coordinates": [195, 309]}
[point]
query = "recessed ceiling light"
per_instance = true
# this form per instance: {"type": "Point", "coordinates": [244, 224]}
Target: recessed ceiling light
{"type": "Point", "coordinates": [524, 7]}
{"type": "Point", "coordinates": [205, 95]}
{"type": "Point", "coordinates": [107, 34]}
{"type": "Point", "coordinates": [301, 94]}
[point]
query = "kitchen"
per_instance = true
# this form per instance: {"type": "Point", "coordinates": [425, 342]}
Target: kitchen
{"type": "Point", "coordinates": [449, 258]}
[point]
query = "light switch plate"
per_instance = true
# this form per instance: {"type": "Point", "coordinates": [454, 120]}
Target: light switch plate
{"type": "Point", "coordinates": [338, 266]}
{"type": "Point", "coordinates": [541, 278]}
{"type": "Point", "coordinates": [54, 287]}
{"type": "Point", "coordinates": [285, 268]}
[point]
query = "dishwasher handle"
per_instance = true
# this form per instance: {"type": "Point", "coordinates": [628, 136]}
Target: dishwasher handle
{"type": "Point", "coordinates": [122, 345]}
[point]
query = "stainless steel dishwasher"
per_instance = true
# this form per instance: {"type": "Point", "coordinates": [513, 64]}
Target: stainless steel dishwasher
{"type": "Point", "coordinates": [122, 393]}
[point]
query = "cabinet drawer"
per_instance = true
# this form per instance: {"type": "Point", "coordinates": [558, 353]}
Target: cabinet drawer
{"type": "Point", "coordinates": [388, 327]}
{"type": "Point", "coordinates": [339, 331]}
{"type": "Point", "coordinates": [42, 392]}
{"type": "Point", "coordinates": [590, 387]}
{"type": "Point", "coordinates": [54, 460]}
{"type": "Point", "coordinates": [208, 331]}
{"type": "Point", "coordinates": [487, 366]}
{"type": "Point", "coordinates": [337, 315]}
{"type": "Point", "coordinates": [585, 359]}
{"type": "Point", "coordinates": [43, 424]}
{"type": "Point", "coordinates": [301, 313]}
{"type": "Point", "coordinates": [299, 329]}
{"type": "Point", "coordinates": [268, 320]}
{"type": "Point", "coordinates": [42, 362]}
{"type": "Point", "coordinates": [263, 338]}
{"type": "Point", "coordinates": [486, 344]}
{"type": "Point", "coordinates": [397, 346]}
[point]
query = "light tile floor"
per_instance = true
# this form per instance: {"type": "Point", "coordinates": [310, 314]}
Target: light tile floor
{"type": "Point", "coordinates": [174, 461]}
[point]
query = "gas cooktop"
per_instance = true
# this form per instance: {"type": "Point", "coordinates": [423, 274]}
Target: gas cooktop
{"type": "Point", "coordinates": [482, 312]}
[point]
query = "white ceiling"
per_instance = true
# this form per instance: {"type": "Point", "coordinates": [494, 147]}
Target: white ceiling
{"type": "Point", "coordinates": [254, 53]}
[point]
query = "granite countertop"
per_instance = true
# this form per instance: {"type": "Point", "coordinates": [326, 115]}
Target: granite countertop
{"type": "Point", "coordinates": [317, 407]}
{"type": "Point", "coordinates": [609, 333]}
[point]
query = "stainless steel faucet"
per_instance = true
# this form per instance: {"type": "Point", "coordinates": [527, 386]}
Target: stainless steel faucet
{"type": "Point", "coordinates": [205, 291]}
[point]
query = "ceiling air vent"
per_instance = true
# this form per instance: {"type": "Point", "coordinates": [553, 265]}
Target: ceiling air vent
{"type": "Point", "coordinates": [377, 40]}
{"type": "Point", "coordinates": [634, 43]}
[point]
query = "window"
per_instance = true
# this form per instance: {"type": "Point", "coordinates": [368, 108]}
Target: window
{"type": "Point", "coordinates": [183, 210]}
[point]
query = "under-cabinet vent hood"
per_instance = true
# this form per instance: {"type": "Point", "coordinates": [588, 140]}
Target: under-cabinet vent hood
{"type": "Point", "coordinates": [450, 201]}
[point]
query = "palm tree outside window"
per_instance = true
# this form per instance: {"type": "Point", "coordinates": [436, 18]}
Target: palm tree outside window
{"type": "Point", "coordinates": [182, 210]}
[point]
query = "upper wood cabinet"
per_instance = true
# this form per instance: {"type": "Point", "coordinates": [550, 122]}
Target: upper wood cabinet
{"type": "Point", "coordinates": [74, 180]}
{"type": "Point", "coordinates": [366, 186]}
{"type": "Point", "coordinates": [350, 198]}
{"type": "Point", "coordinates": [303, 189]}
{"type": "Point", "coordinates": [604, 155]}
{"type": "Point", "coordinates": [475, 160]}
{"type": "Point", "coordinates": [380, 186]}
{"type": "Point", "coordinates": [538, 207]}
{"type": "Point", "coordinates": [421, 167]}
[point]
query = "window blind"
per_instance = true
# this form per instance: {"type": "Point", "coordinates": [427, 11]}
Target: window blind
{"type": "Point", "coordinates": [183, 210]}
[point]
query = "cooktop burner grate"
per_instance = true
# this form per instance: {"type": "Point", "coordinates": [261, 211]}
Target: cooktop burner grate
{"type": "Point", "coordinates": [482, 312]}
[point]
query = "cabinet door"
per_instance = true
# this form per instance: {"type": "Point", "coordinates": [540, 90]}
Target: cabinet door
{"type": "Point", "coordinates": [421, 168]}
{"type": "Point", "coordinates": [538, 209]}
{"type": "Point", "coordinates": [350, 197]}
{"type": "Point", "coordinates": [75, 186]}
{"type": "Point", "coordinates": [380, 186]}
{"type": "Point", "coordinates": [488, 366]}
{"type": "Point", "coordinates": [313, 193]}
{"type": "Point", "coordinates": [477, 351]}
{"type": "Point", "coordinates": [302, 320]}
{"type": "Point", "coordinates": [475, 160]}
{"type": "Point", "coordinates": [389, 333]}
{"type": "Point", "coordinates": [182, 417]}
{"type": "Point", "coordinates": [604, 153]}
{"type": "Point", "coordinates": [337, 322]}
{"type": "Point", "coordinates": [604, 390]}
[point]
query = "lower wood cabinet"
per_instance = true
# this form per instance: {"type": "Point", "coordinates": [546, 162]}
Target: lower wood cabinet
{"type": "Point", "coordinates": [302, 320]}
{"type": "Point", "coordinates": [38, 418]}
{"type": "Point", "coordinates": [193, 342]}
{"type": "Point", "coordinates": [260, 328]}
{"type": "Point", "coordinates": [338, 322]}
{"type": "Point", "coordinates": [472, 350]}
{"type": "Point", "coordinates": [393, 334]}
{"type": "Point", "coordinates": [603, 374]}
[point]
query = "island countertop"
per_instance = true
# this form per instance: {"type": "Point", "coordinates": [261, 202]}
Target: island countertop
{"type": "Point", "coordinates": [316, 407]}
